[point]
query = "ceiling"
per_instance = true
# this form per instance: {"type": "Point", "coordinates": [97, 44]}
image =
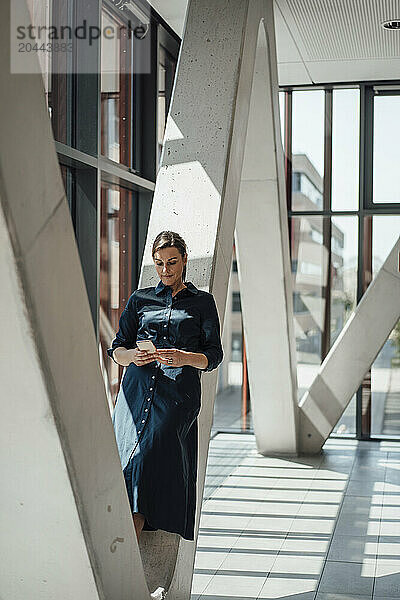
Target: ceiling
{"type": "Point", "coordinates": [324, 41]}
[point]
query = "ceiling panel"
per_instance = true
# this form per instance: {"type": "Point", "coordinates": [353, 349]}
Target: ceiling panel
{"type": "Point", "coordinates": [342, 29]}
{"type": "Point", "coordinates": [324, 41]}
{"type": "Point", "coordinates": [343, 40]}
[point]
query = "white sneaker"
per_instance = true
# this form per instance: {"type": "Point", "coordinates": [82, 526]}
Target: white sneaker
{"type": "Point", "coordinates": [159, 594]}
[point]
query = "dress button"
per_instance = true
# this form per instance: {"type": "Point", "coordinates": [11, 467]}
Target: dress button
{"type": "Point", "coordinates": [165, 337]}
{"type": "Point", "coordinates": [148, 399]}
{"type": "Point", "coordinates": [151, 389]}
{"type": "Point", "coordinates": [143, 420]}
{"type": "Point", "coordinates": [153, 376]}
{"type": "Point", "coordinates": [164, 325]}
{"type": "Point", "coordinates": [146, 409]}
{"type": "Point", "coordinates": [139, 431]}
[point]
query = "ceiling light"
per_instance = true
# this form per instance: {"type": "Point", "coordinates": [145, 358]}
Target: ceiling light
{"type": "Point", "coordinates": [392, 24]}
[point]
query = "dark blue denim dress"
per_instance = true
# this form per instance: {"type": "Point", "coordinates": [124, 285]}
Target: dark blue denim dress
{"type": "Point", "coordinates": [155, 415]}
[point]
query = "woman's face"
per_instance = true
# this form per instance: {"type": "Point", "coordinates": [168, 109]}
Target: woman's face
{"type": "Point", "coordinates": [169, 265]}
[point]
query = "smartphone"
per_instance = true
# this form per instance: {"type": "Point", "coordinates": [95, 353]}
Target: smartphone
{"type": "Point", "coordinates": [146, 345]}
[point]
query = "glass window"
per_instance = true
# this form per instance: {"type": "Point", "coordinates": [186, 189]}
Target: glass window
{"type": "Point", "coordinates": [385, 232]}
{"type": "Point", "coordinates": [386, 161]}
{"type": "Point", "coordinates": [345, 149]}
{"type": "Point", "coordinates": [236, 306]}
{"type": "Point", "coordinates": [236, 355]}
{"type": "Point", "coordinates": [61, 78]}
{"type": "Point", "coordinates": [117, 253]}
{"type": "Point", "coordinates": [347, 422]}
{"type": "Point", "coordinates": [282, 116]}
{"type": "Point", "coordinates": [308, 148]}
{"type": "Point", "coordinates": [325, 250]}
{"type": "Point", "coordinates": [306, 193]}
{"type": "Point", "coordinates": [385, 371]}
{"type": "Point", "coordinates": [166, 73]}
{"type": "Point", "coordinates": [344, 269]}
{"type": "Point", "coordinates": [310, 277]}
{"type": "Point", "coordinates": [116, 92]}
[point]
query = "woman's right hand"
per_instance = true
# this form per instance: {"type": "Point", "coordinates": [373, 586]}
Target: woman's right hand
{"type": "Point", "coordinates": [124, 356]}
{"type": "Point", "coordinates": [141, 357]}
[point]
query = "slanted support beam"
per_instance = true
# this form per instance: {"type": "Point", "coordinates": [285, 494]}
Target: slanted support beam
{"type": "Point", "coordinates": [67, 531]}
{"type": "Point", "coordinates": [351, 356]}
{"type": "Point", "coordinates": [262, 243]}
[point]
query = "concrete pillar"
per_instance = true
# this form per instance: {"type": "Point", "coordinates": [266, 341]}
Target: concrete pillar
{"type": "Point", "coordinates": [264, 267]}
{"type": "Point", "coordinates": [351, 356]}
{"type": "Point", "coordinates": [66, 527]}
{"type": "Point", "coordinates": [198, 185]}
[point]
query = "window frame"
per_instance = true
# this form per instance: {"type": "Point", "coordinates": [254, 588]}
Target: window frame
{"type": "Point", "coordinates": [365, 212]}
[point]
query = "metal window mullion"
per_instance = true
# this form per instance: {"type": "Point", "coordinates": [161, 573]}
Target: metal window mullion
{"type": "Point", "coordinates": [326, 221]}
{"type": "Point", "coordinates": [365, 191]}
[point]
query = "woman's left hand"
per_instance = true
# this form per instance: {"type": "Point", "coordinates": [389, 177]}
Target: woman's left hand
{"type": "Point", "coordinates": [173, 357]}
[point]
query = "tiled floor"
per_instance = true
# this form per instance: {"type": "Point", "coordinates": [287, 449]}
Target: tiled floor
{"type": "Point", "coordinates": [325, 527]}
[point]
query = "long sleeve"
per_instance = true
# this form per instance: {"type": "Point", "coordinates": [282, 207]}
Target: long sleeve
{"type": "Point", "coordinates": [128, 327]}
{"type": "Point", "coordinates": [211, 344]}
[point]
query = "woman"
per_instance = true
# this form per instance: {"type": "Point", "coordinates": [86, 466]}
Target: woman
{"type": "Point", "coordinates": [155, 416]}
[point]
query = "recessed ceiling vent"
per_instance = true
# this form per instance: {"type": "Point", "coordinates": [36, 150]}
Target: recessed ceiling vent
{"type": "Point", "coordinates": [393, 24]}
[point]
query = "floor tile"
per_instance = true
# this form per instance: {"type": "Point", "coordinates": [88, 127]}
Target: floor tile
{"type": "Point", "coordinates": [358, 504]}
{"type": "Point", "coordinates": [324, 496]}
{"type": "Point", "coordinates": [329, 485]}
{"type": "Point", "coordinates": [310, 525]}
{"type": "Point", "coordinates": [200, 582]}
{"type": "Point", "coordinates": [329, 596]}
{"type": "Point", "coordinates": [286, 587]}
{"type": "Point", "coordinates": [217, 541]}
{"type": "Point", "coordinates": [363, 488]}
{"type": "Point", "coordinates": [209, 560]}
{"type": "Point", "coordinates": [306, 546]}
{"type": "Point", "coordinates": [298, 565]}
{"type": "Point", "coordinates": [387, 578]}
{"type": "Point", "coordinates": [269, 524]}
{"type": "Point", "coordinates": [266, 543]}
{"type": "Point", "coordinates": [389, 528]}
{"type": "Point", "coordinates": [388, 548]}
{"type": "Point", "coordinates": [319, 509]}
{"type": "Point", "coordinates": [331, 475]}
{"type": "Point", "coordinates": [366, 472]}
{"type": "Point", "coordinates": [229, 523]}
{"type": "Point", "coordinates": [348, 578]}
{"type": "Point", "coordinates": [235, 585]}
{"type": "Point", "coordinates": [345, 548]}
{"type": "Point", "coordinates": [222, 597]}
{"type": "Point", "coordinates": [356, 524]}
{"type": "Point", "coordinates": [249, 562]}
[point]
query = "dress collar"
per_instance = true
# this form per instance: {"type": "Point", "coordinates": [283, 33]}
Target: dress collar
{"type": "Point", "coordinates": [160, 287]}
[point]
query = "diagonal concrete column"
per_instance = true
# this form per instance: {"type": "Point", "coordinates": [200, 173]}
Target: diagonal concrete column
{"type": "Point", "coordinates": [351, 355]}
{"type": "Point", "coordinates": [198, 185]}
{"type": "Point", "coordinates": [264, 267]}
{"type": "Point", "coordinates": [66, 527]}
